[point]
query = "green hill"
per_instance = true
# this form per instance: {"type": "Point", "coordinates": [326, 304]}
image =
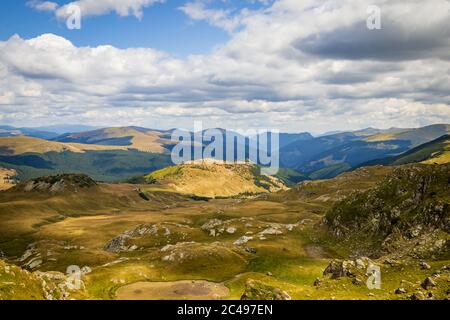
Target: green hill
{"type": "Point", "coordinates": [327, 156]}
{"type": "Point", "coordinates": [434, 152]}
{"type": "Point", "coordinates": [138, 138]}
{"type": "Point", "coordinates": [415, 136]}
{"type": "Point", "coordinates": [210, 178]}
{"type": "Point", "coordinates": [290, 176]}
{"type": "Point", "coordinates": [350, 155]}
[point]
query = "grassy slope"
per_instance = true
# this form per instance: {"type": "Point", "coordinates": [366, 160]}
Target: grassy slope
{"type": "Point", "coordinates": [33, 157]}
{"type": "Point", "coordinates": [337, 188]}
{"type": "Point", "coordinates": [23, 144]}
{"type": "Point", "coordinates": [18, 284]}
{"type": "Point", "coordinates": [416, 136]}
{"type": "Point", "coordinates": [327, 156]}
{"type": "Point", "coordinates": [215, 179]}
{"type": "Point", "coordinates": [290, 177]}
{"type": "Point", "coordinates": [295, 258]}
{"type": "Point", "coordinates": [436, 151]}
{"type": "Point", "coordinates": [132, 137]}
{"type": "Point", "coordinates": [440, 156]}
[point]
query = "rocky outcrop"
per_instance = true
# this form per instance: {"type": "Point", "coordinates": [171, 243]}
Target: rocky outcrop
{"type": "Point", "coordinates": [18, 284]}
{"type": "Point", "coordinates": [348, 268]}
{"type": "Point", "coordinates": [255, 290]}
{"type": "Point", "coordinates": [57, 184]}
{"type": "Point", "coordinates": [44, 252]}
{"type": "Point", "coordinates": [155, 235]}
{"type": "Point", "coordinates": [245, 227]}
{"type": "Point", "coordinates": [407, 213]}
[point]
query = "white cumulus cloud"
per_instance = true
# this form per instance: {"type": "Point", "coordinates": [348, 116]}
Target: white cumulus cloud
{"type": "Point", "coordinates": [96, 7]}
{"type": "Point", "coordinates": [309, 65]}
{"type": "Point", "coordinates": [42, 5]}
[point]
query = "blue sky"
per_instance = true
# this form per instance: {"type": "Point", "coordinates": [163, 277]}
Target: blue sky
{"type": "Point", "coordinates": [163, 26]}
{"type": "Point", "coordinates": [309, 65]}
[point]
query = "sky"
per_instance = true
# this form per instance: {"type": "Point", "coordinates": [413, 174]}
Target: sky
{"type": "Point", "coordinates": [291, 65]}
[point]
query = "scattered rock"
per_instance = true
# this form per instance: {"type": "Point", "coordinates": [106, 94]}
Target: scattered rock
{"type": "Point", "coordinates": [255, 290]}
{"type": "Point", "coordinates": [86, 270]}
{"type": "Point", "coordinates": [360, 263]}
{"type": "Point", "coordinates": [70, 247]}
{"type": "Point", "coordinates": [231, 230]}
{"type": "Point", "coordinates": [342, 268]}
{"type": "Point", "coordinates": [242, 240]}
{"type": "Point", "coordinates": [193, 253]}
{"type": "Point", "coordinates": [271, 231]}
{"type": "Point", "coordinates": [268, 273]}
{"type": "Point", "coordinates": [250, 250]}
{"type": "Point", "coordinates": [317, 282]}
{"type": "Point", "coordinates": [357, 270]}
{"type": "Point", "coordinates": [162, 231]}
{"type": "Point", "coordinates": [27, 254]}
{"type": "Point", "coordinates": [400, 291]}
{"type": "Point", "coordinates": [167, 247]}
{"type": "Point", "coordinates": [34, 263]}
{"type": "Point", "coordinates": [417, 296]}
{"type": "Point", "coordinates": [58, 183]}
{"type": "Point", "coordinates": [142, 194]}
{"type": "Point", "coordinates": [291, 227]}
{"type": "Point", "coordinates": [117, 244]}
{"type": "Point", "coordinates": [425, 265]}
{"type": "Point", "coordinates": [337, 269]}
{"type": "Point", "coordinates": [391, 262]}
{"type": "Point", "coordinates": [428, 283]}
{"type": "Point", "coordinates": [211, 224]}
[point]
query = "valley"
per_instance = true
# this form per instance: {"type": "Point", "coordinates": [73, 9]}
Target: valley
{"type": "Point", "coordinates": [170, 245]}
{"type": "Point", "coordinates": [121, 153]}
{"type": "Point", "coordinates": [238, 151]}
{"type": "Point", "coordinates": [138, 227]}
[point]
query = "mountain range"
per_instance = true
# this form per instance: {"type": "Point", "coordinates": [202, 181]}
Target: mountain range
{"type": "Point", "coordinates": [117, 154]}
{"type": "Point", "coordinates": [111, 200]}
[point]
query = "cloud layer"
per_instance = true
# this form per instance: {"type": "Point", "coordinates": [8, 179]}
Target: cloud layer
{"type": "Point", "coordinates": [309, 65]}
{"type": "Point", "coordinates": [95, 7]}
